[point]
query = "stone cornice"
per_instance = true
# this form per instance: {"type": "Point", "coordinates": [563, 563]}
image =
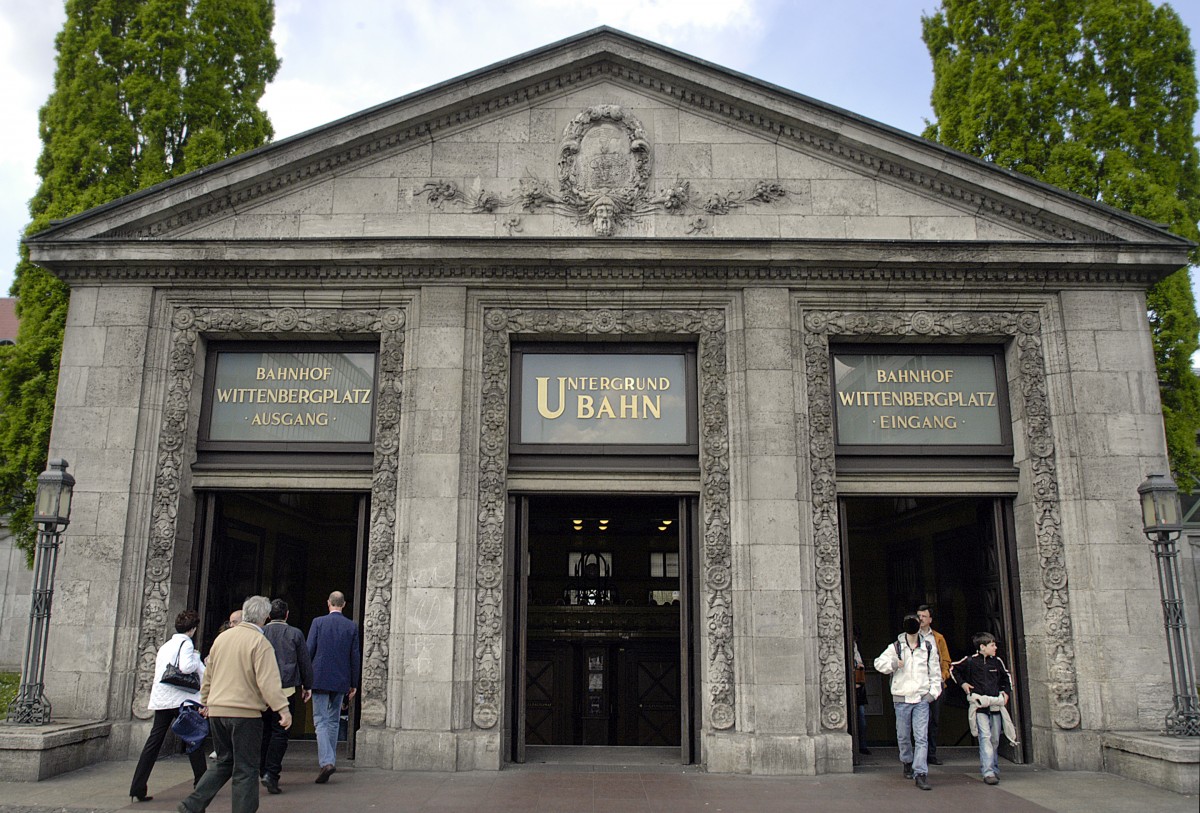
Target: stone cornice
{"type": "Point", "coordinates": [1025, 204]}
{"type": "Point", "coordinates": [355, 257]}
{"type": "Point", "coordinates": [917, 277]}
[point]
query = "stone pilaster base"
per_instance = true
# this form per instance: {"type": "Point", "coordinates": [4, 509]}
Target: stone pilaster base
{"type": "Point", "coordinates": [777, 755]}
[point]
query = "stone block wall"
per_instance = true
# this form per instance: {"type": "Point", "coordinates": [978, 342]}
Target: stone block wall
{"type": "Point", "coordinates": [1109, 433]}
{"type": "Point", "coordinates": [16, 582]}
{"type": "Point", "coordinates": [97, 430]}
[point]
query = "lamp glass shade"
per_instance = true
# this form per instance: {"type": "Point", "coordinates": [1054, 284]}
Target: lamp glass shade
{"type": "Point", "coordinates": [1160, 505]}
{"type": "Point", "coordinates": [52, 504]}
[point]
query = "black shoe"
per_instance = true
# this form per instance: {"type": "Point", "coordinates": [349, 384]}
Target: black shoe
{"type": "Point", "coordinates": [133, 797]}
{"type": "Point", "coordinates": [271, 784]}
{"type": "Point", "coordinates": [920, 782]}
{"type": "Point", "coordinates": [908, 774]}
{"type": "Point", "coordinates": [935, 761]}
{"type": "Point", "coordinates": [326, 772]}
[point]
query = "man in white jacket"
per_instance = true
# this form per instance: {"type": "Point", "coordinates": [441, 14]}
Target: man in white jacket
{"type": "Point", "coordinates": [916, 672]}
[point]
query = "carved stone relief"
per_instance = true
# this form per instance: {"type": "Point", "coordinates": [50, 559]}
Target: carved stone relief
{"type": "Point", "coordinates": [776, 126]}
{"type": "Point", "coordinates": [500, 324]}
{"type": "Point", "coordinates": [1025, 329]}
{"type": "Point", "coordinates": [604, 170]}
{"type": "Point", "coordinates": [176, 447]}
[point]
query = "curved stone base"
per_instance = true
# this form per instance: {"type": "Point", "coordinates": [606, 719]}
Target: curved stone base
{"type": "Point", "coordinates": [1156, 759]}
{"type": "Point", "coordinates": [33, 753]}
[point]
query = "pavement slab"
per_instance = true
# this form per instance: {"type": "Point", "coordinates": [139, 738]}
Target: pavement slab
{"type": "Point", "coordinates": [604, 788]}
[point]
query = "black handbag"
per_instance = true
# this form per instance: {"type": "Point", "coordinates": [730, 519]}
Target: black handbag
{"type": "Point", "coordinates": [190, 726]}
{"type": "Point", "coordinates": [184, 680]}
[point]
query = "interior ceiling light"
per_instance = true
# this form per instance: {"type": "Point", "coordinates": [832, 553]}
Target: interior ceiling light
{"type": "Point", "coordinates": [662, 527]}
{"type": "Point", "coordinates": [667, 521]}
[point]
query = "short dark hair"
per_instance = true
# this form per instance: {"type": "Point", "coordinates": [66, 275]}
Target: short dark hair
{"type": "Point", "coordinates": [928, 608]}
{"type": "Point", "coordinates": [279, 610]}
{"type": "Point", "coordinates": [982, 639]}
{"type": "Point", "coordinates": [187, 621]}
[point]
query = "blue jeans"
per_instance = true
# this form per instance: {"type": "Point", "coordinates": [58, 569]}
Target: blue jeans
{"type": "Point", "coordinates": [989, 742]}
{"type": "Point", "coordinates": [327, 710]}
{"type": "Point", "coordinates": [912, 723]}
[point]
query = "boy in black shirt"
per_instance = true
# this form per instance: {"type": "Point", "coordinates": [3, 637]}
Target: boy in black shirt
{"type": "Point", "coordinates": [986, 681]}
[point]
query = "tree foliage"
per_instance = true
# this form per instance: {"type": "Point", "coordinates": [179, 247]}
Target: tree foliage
{"type": "Point", "coordinates": [144, 90]}
{"type": "Point", "coordinates": [1097, 97]}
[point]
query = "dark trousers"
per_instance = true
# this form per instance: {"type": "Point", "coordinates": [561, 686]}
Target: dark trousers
{"type": "Point", "coordinates": [935, 714]}
{"type": "Point", "coordinates": [158, 732]}
{"type": "Point", "coordinates": [239, 742]}
{"type": "Point", "coordinates": [275, 741]}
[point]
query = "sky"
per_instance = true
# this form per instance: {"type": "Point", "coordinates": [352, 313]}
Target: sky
{"type": "Point", "coordinates": [342, 56]}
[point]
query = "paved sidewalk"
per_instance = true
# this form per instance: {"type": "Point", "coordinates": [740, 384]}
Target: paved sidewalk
{"type": "Point", "coordinates": [600, 788]}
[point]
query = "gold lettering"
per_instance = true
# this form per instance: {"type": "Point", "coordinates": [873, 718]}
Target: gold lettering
{"type": "Point", "coordinates": [650, 405]}
{"type": "Point", "coordinates": [543, 407]}
{"type": "Point", "coordinates": [605, 410]}
{"type": "Point", "coordinates": [584, 407]}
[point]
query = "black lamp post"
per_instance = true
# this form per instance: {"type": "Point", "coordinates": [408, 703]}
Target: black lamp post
{"type": "Point", "coordinates": [52, 513]}
{"type": "Point", "coordinates": [1162, 525]}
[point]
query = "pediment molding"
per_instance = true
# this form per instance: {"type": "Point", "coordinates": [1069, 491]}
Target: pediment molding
{"type": "Point", "coordinates": [685, 94]}
{"type": "Point", "coordinates": [660, 276]}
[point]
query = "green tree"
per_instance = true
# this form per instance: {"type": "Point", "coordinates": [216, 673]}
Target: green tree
{"type": "Point", "coordinates": [1097, 97]}
{"type": "Point", "coordinates": [144, 90]}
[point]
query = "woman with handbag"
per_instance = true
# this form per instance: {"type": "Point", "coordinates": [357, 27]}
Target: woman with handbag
{"type": "Point", "coordinates": [178, 671]}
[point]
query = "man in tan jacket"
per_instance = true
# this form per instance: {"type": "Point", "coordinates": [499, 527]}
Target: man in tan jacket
{"type": "Point", "coordinates": [242, 681]}
{"type": "Point", "coordinates": [925, 616]}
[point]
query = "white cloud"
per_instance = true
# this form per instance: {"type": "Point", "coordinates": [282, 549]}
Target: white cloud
{"type": "Point", "coordinates": [27, 29]}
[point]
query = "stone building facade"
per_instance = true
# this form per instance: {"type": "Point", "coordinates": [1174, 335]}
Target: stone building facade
{"type": "Point", "coordinates": [605, 201]}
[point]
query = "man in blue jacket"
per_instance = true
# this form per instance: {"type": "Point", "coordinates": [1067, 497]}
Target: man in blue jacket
{"type": "Point", "coordinates": [334, 649]}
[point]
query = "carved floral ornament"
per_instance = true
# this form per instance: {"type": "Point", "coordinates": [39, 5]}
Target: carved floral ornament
{"type": "Point", "coordinates": [1024, 329]}
{"type": "Point", "coordinates": [708, 325]}
{"type": "Point", "coordinates": [176, 450]}
{"type": "Point", "coordinates": [604, 173]}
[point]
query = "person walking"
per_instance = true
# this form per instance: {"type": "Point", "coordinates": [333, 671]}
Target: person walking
{"type": "Point", "coordinates": [912, 661]}
{"type": "Point", "coordinates": [296, 673]}
{"type": "Point", "coordinates": [241, 681]}
{"type": "Point", "coordinates": [987, 684]}
{"type": "Point", "coordinates": [925, 616]}
{"type": "Point", "coordinates": [334, 649]}
{"type": "Point", "coordinates": [165, 700]}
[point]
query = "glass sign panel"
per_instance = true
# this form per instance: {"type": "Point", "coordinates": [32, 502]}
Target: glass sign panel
{"type": "Point", "coordinates": [901, 399]}
{"type": "Point", "coordinates": [293, 397]}
{"type": "Point", "coordinates": [590, 398]}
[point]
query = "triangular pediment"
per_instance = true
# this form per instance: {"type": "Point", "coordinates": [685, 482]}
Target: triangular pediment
{"type": "Point", "coordinates": [602, 136]}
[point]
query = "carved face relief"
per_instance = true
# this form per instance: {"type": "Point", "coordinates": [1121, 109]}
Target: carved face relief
{"type": "Point", "coordinates": [603, 213]}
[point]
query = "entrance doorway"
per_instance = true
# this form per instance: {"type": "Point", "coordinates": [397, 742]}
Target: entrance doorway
{"type": "Point", "coordinates": [603, 627]}
{"type": "Point", "coordinates": [298, 546]}
{"type": "Point", "coordinates": [951, 553]}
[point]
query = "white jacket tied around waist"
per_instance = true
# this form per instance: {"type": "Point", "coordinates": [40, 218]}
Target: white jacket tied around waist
{"type": "Point", "coordinates": [982, 703]}
{"type": "Point", "coordinates": [164, 695]}
{"type": "Point", "coordinates": [920, 676]}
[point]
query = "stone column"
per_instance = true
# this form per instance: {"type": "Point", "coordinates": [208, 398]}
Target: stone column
{"type": "Point", "coordinates": [428, 530]}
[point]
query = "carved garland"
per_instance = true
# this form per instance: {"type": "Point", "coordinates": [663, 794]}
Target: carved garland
{"type": "Point", "coordinates": [709, 326]}
{"type": "Point", "coordinates": [175, 447]}
{"type": "Point", "coordinates": [1025, 328]}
